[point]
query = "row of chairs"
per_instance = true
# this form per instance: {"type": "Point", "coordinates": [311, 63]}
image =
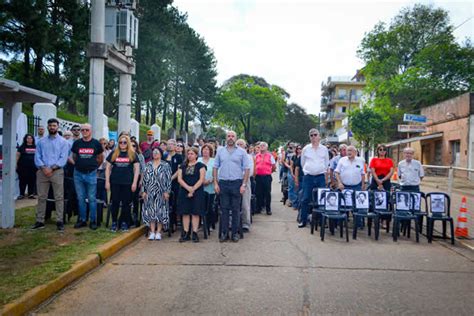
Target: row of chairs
{"type": "Point", "coordinates": [333, 207]}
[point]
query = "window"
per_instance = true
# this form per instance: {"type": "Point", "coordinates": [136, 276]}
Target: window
{"type": "Point", "coordinates": [455, 152]}
{"type": "Point", "coordinates": [342, 94]}
{"type": "Point", "coordinates": [343, 109]}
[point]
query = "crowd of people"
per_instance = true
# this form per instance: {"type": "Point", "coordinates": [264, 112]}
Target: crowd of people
{"type": "Point", "coordinates": [172, 183]}
{"type": "Point", "coordinates": [303, 168]}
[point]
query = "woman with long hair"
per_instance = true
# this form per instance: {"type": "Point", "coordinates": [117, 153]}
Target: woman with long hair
{"type": "Point", "coordinates": [26, 168]}
{"type": "Point", "coordinates": [207, 152]}
{"type": "Point", "coordinates": [191, 203]}
{"type": "Point", "coordinates": [156, 193]}
{"type": "Point", "coordinates": [382, 169]}
{"type": "Point", "coordinates": [121, 178]}
{"type": "Point", "coordinates": [136, 194]}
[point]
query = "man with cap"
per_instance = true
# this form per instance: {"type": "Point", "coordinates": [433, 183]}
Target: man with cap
{"type": "Point", "coordinates": [148, 145]}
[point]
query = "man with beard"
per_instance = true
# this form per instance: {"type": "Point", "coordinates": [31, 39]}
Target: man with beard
{"type": "Point", "coordinates": [50, 158]}
{"type": "Point", "coordinates": [231, 174]}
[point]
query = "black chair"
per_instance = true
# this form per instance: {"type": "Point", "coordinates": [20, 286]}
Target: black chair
{"type": "Point", "coordinates": [317, 208]}
{"type": "Point", "coordinates": [364, 211]}
{"type": "Point", "coordinates": [334, 214]}
{"type": "Point", "coordinates": [419, 207]}
{"type": "Point", "coordinates": [439, 209]}
{"type": "Point", "coordinates": [384, 211]}
{"type": "Point", "coordinates": [403, 213]}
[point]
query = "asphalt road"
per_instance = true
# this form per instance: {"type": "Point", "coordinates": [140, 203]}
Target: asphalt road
{"type": "Point", "coordinates": [277, 269]}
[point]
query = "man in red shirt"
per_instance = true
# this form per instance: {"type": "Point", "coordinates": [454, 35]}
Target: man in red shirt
{"type": "Point", "coordinates": [264, 166]}
{"type": "Point", "coordinates": [147, 146]}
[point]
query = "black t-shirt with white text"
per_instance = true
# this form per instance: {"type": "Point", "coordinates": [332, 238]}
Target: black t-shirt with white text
{"type": "Point", "coordinates": [86, 154]}
{"type": "Point", "coordinates": [27, 156]}
{"type": "Point", "coordinates": [122, 168]}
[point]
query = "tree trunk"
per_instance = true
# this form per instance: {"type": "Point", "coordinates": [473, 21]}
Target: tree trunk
{"type": "Point", "coordinates": [153, 113]}
{"type": "Point", "coordinates": [186, 124]}
{"type": "Point", "coordinates": [26, 64]}
{"type": "Point", "coordinates": [175, 110]}
{"type": "Point", "coordinates": [181, 125]}
{"type": "Point", "coordinates": [147, 118]}
{"type": "Point", "coordinates": [165, 109]}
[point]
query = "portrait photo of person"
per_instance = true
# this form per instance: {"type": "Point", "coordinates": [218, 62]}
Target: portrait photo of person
{"type": "Point", "coordinates": [403, 201]}
{"type": "Point", "coordinates": [416, 201]}
{"type": "Point", "coordinates": [332, 201]}
{"type": "Point", "coordinates": [362, 199]}
{"type": "Point", "coordinates": [321, 196]}
{"type": "Point", "coordinates": [348, 197]}
{"type": "Point", "coordinates": [380, 199]}
{"type": "Point", "coordinates": [437, 203]}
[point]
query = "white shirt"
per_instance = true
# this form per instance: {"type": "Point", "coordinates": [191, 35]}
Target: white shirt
{"type": "Point", "coordinates": [410, 173]}
{"type": "Point", "coordinates": [350, 171]}
{"type": "Point", "coordinates": [314, 161]}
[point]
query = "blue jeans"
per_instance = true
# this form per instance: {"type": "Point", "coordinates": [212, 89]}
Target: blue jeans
{"type": "Point", "coordinates": [86, 188]}
{"type": "Point", "coordinates": [292, 194]}
{"type": "Point", "coordinates": [309, 183]}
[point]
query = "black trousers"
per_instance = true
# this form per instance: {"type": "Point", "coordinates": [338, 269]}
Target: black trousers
{"type": "Point", "coordinates": [264, 192]}
{"type": "Point", "coordinates": [211, 213]}
{"type": "Point", "coordinates": [27, 177]}
{"type": "Point", "coordinates": [121, 193]}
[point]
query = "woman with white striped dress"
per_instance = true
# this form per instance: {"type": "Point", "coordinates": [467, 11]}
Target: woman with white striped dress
{"type": "Point", "coordinates": [156, 192]}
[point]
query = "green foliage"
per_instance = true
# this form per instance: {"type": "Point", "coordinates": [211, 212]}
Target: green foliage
{"type": "Point", "coordinates": [368, 126]}
{"type": "Point", "coordinates": [415, 62]}
{"type": "Point", "coordinates": [245, 104]}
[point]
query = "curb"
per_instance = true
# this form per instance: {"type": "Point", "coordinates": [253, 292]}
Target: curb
{"type": "Point", "coordinates": [41, 293]}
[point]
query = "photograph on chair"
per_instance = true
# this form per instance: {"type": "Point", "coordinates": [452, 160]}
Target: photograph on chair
{"type": "Point", "coordinates": [347, 194]}
{"type": "Point", "coordinates": [321, 196]}
{"type": "Point", "coordinates": [416, 202]}
{"type": "Point", "coordinates": [380, 200]}
{"type": "Point", "coordinates": [362, 199]}
{"type": "Point", "coordinates": [437, 203]}
{"type": "Point", "coordinates": [332, 201]}
{"type": "Point", "coordinates": [403, 201]}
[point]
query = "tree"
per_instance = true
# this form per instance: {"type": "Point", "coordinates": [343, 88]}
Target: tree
{"type": "Point", "coordinates": [245, 104]}
{"type": "Point", "coordinates": [368, 126]}
{"type": "Point", "coordinates": [415, 62]}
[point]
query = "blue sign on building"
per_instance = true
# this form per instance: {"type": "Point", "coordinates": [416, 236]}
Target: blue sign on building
{"type": "Point", "coordinates": [414, 118]}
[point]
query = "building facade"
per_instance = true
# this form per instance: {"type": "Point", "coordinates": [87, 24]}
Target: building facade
{"type": "Point", "coordinates": [338, 96]}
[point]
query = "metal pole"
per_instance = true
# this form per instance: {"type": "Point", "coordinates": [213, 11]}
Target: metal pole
{"type": "Point", "coordinates": [97, 64]}
{"type": "Point", "coordinates": [450, 180]}
{"type": "Point", "coordinates": [11, 112]}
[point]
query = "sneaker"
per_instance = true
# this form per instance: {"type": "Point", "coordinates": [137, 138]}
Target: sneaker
{"type": "Point", "coordinates": [195, 237]}
{"type": "Point", "coordinates": [157, 236]}
{"type": "Point", "coordinates": [151, 236]}
{"type": "Point", "coordinates": [269, 212]}
{"type": "Point", "coordinates": [93, 225]}
{"type": "Point", "coordinates": [60, 227]}
{"type": "Point", "coordinates": [235, 238]}
{"type": "Point", "coordinates": [223, 238]}
{"type": "Point", "coordinates": [114, 227]}
{"type": "Point", "coordinates": [20, 197]}
{"type": "Point", "coordinates": [32, 196]}
{"type": "Point", "coordinates": [245, 229]}
{"type": "Point", "coordinates": [38, 225]}
{"type": "Point", "coordinates": [301, 225]}
{"type": "Point", "coordinates": [124, 227]}
{"type": "Point", "coordinates": [80, 224]}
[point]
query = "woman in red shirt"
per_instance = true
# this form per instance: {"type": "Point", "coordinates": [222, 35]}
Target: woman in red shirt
{"type": "Point", "coordinates": [382, 170]}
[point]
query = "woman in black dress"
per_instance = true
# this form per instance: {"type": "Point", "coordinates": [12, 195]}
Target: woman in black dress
{"type": "Point", "coordinates": [191, 202]}
{"type": "Point", "coordinates": [26, 167]}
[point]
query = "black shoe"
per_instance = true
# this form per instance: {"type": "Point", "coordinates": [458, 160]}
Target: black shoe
{"type": "Point", "coordinates": [269, 212]}
{"type": "Point", "coordinates": [80, 224]}
{"type": "Point", "coordinates": [38, 225]}
{"type": "Point", "coordinates": [195, 237]}
{"type": "Point", "coordinates": [60, 226]}
{"type": "Point", "coordinates": [301, 225]}
{"type": "Point", "coordinates": [223, 238]}
{"type": "Point", "coordinates": [93, 225]}
{"type": "Point", "coordinates": [20, 197]}
{"type": "Point", "coordinates": [235, 238]}
{"type": "Point", "coordinates": [32, 196]}
{"type": "Point", "coordinates": [184, 237]}
{"type": "Point", "coordinates": [245, 229]}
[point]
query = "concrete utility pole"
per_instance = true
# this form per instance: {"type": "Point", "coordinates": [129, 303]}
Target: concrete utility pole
{"type": "Point", "coordinates": [125, 97]}
{"type": "Point", "coordinates": [98, 55]}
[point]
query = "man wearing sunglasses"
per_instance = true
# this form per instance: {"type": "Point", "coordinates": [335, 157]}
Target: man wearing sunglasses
{"type": "Point", "coordinates": [315, 162]}
{"type": "Point", "coordinates": [87, 157]}
{"type": "Point", "coordinates": [76, 132]}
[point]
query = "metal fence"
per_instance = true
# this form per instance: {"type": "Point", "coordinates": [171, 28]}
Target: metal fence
{"type": "Point", "coordinates": [455, 176]}
{"type": "Point", "coordinates": [33, 122]}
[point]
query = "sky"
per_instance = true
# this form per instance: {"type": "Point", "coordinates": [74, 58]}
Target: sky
{"type": "Point", "coordinates": [298, 44]}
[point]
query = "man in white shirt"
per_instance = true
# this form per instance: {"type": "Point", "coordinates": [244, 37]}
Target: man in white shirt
{"type": "Point", "coordinates": [410, 172]}
{"type": "Point", "coordinates": [333, 164]}
{"type": "Point", "coordinates": [350, 171]}
{"type": "Point", "coordinates": [314, 161]}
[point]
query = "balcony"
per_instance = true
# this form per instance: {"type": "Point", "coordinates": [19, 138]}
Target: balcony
{"type": "Point", "coordinates": [330, 139]}
{"type": "Point", "coordinates": [331, 117]}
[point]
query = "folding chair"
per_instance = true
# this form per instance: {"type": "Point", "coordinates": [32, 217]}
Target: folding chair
{"type": "Point", "coordinates": [439, 209]}
{"type": "Point", "coordinates": [333, 213]}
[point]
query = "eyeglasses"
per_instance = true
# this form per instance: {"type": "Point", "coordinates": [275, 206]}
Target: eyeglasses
{"type": "Point", "coordinates": [134, 146]}
{"type": "Point", "coordinates": [123, 143]}
{"type": "Point", "coordinates": [313, 135]}
{"type": "Point", "coordinates": [381, 149]}
{"type": "Point", "coordinates": [75, 130]}
{"type": "Point", "coordinates": [180, 145]}
{"type": "Point", "coordinates": [85, 129]}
